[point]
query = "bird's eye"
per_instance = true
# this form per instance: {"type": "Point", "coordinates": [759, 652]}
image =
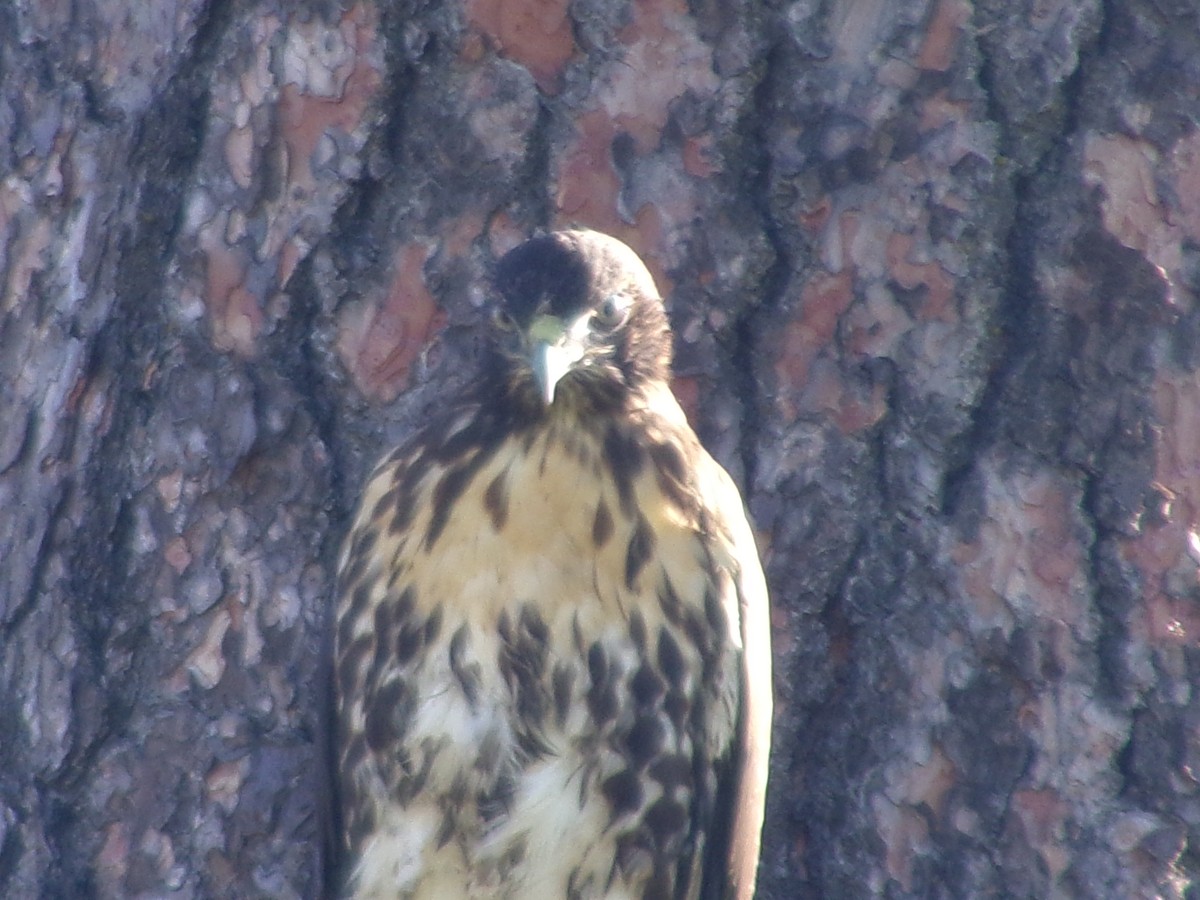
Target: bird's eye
{"type": "Point", "coordinates": [611, 312]}
{"type": "Point", "coordinates": [502, 320]}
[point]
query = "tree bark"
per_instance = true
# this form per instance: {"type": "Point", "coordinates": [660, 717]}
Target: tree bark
{"type": "Point", "coordinates": [933, 269]}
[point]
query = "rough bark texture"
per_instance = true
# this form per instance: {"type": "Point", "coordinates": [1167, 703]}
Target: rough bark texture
{"type": "Point", "coordinates": [934, 269]}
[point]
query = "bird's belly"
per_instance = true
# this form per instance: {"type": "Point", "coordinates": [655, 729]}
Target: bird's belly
{"type": "Point", "coordinates": [512, 800]}
{"type": "Point", "coordinates": [552, 669]}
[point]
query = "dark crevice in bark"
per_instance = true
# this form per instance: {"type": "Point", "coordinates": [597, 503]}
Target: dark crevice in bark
{"type": "Point", "coordinates": [837, 605]}
{"type": "Point", "coordinates": [305, 370]}
{"type": "Point", "coordinates": [101, 701]}
{"type": "Point", "coordinates": [18, 614]}
{"type": "Point", "coordinates": [1109, 584]}
{"type": "Point", "coordinates": [746, 353]}
{"type": "Point", "coordinates": [355, 245]}
{"type": "Point", "coordinates": [533, 177]}
{"type": "Point", "coordinates": [1021, 304]}
{"type": "Point", "coordinates": [100, 584]}
{"type": "Point", "coordinates": [70, 874]}
{"type": "Point", "coordinates": [14, 749]}
{"type": "Point", "coordinates": [1010, 348]}
{"type": "Point", "coordinates": [165, 150]}
{"type": "Point", "coordinates": [166, 147]}
{"type": "Point", "coordinates": [29, 439]}
{"type": "Point", "coordinates": [8, 37]}
{"type": "Point", "coordinates": [1107, 38]}
{"type": "Point", "coordinates": [11, 847]}
{"type": "Point", "coordinates": [1075, 85]}
{"type": "Point", "coordinates": [1114, 597]}
{"type": "Point", "coordinates": [304, 367]}
{"type": "Point", "coordinates": [351, 239]}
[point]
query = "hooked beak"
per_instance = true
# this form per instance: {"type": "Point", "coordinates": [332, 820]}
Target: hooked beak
{"type": "Point", "coordinates": [553, 350]}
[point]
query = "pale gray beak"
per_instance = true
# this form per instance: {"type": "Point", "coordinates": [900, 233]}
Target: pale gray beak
{"type": "Point", "coordinates": [553, 350]}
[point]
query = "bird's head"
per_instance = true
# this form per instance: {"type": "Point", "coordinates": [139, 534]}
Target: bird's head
{"type": "Point", "coordinates": [578, 321]}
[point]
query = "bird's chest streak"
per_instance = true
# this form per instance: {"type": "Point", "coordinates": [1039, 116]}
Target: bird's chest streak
{"type": "Point", "coordinates": [564, 631]}
{"type": "Point", "coordinates": [558, 534]}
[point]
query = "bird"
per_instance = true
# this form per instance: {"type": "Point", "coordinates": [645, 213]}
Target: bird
{"type": "Point", "coordinates": [552, 651]}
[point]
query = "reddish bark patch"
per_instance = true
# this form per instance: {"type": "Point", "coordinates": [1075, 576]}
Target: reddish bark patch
{"type": "Point", "coordinates": [461, 233]}
{"type": "Point", "coordinates": [814, 219]}
{"type": "Point", "coordinates": [942, 36]}
{"type": "Point", "coordinates": [664, 59]}
{"type": "Point", "coordinates": [1027, 560]}
{"type": "Point", "coordinates": [1166, 552]}
{"type": "Point", "coordinates": [305, 118]}
{"type": "Point", "coordinates": [938, 302]}
{"type": "Point", "coordinates": [588, 184]}
{"type": "Point", "coordinates": [235, 313]}
{"type": "Point", "coordinates": [696, 161]}
{"type": "Point", "coordinates": [504, 233]}
{"type": "Point", "coordinates": [378, 341]}
{"type": "Point", "coordinates": [1185, 169]}
{"type": "Point", "coordinates": [534, 33]}
{"type": "Point", "coordinates": [824, 299]}
{"type": "Point", "coordinates": [1043, 815]}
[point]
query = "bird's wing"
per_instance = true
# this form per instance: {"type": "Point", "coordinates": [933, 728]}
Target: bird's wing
{"type": "Point", "coordinates": [371, 602]}
{"type": "Point", "coordinates": [742, 796]}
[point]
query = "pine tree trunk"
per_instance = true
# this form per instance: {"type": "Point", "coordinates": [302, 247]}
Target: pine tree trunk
{"type": "Point", "coordinates": [933, 268]}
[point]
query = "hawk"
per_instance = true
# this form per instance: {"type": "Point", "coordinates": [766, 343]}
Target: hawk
{"type": "Point", "coordinates": [552, 651]}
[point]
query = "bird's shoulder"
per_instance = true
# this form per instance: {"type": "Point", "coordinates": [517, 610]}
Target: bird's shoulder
{"type": "Point", "coordinates": [690, 476]}
{"type": "Point", "coordinates": [451, 436]}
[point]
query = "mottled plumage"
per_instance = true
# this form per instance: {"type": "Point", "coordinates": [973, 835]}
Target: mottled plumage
{"type": "Point", "coordinates": [552, 659]}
